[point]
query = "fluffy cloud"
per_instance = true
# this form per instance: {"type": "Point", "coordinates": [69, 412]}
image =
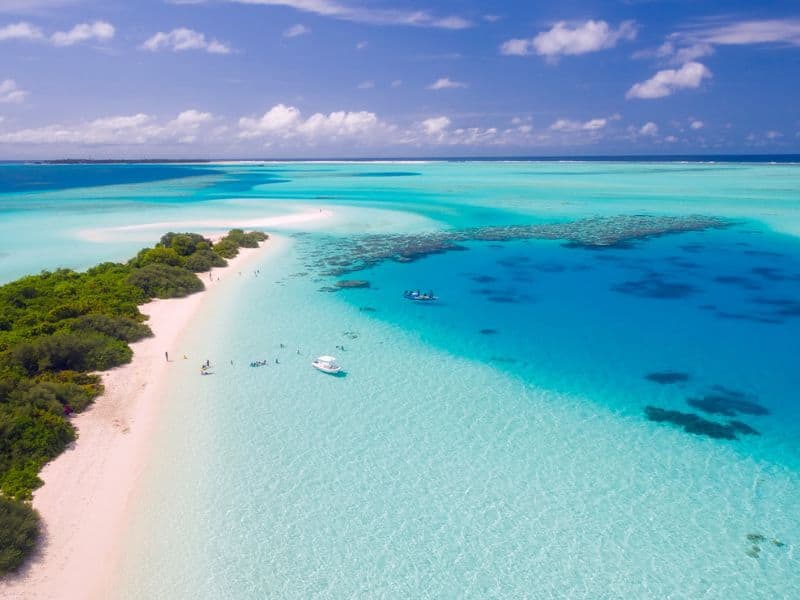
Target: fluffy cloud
{"type": "Point", "coordinates": [283, 122]}
{"type": "Point", "coordinates": [565, 39]}
{"type": "Point", "coordinates": [435, 125]}
{"type": "Point", "coordinates": [569, 126]}
{"type": "Point", "coordinates": [20, 31]}
{"type": "Point", "coordinates": [99, 31]}
{"type": "Point", "coordinates": [10, 92]}
{"type": "Point", "coordinates": [366, 85]}
{"type": "Point", "coordinates": [697, 125]}
{"type": "Point", "coordinates": [296, 30]}
{"type": "Point", "coordinates": [181, 39]}
{"type": "Point", "coordinates": [134, 129]}
{"type": "Point", "coordinates": [665, 82]}
{"type": "Point", "coordinates": [372, 16]}
{"type": "Point", "coordinates": [649, 128]}
{"type": "Point", "coordinates": [445, 83]}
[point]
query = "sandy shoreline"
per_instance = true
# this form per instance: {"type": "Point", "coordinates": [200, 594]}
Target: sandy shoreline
{"type": "Point", "coordinates": [88, 489]}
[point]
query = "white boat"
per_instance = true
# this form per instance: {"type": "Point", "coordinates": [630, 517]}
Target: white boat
{"type": "Point", "coordinates": [327, 364]}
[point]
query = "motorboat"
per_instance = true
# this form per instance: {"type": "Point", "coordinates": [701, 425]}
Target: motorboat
{"type": "Point", "coordinates": [327, 364]}
{"type": "Point", "coordinates": [418, 296]}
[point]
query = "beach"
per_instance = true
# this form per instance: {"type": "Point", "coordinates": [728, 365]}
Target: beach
{"type": "Point", "coordinates": [88, 490]}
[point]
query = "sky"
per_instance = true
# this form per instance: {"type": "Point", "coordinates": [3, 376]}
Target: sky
{"type": "Point", "coordinates": [397, 78]}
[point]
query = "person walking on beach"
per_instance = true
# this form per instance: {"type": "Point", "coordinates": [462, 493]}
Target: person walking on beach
{"type": "Point", "coordinates": [166, 356]}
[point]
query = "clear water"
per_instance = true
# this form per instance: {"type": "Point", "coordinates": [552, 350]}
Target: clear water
{"type": "Point", "coordinates": [492, 445]}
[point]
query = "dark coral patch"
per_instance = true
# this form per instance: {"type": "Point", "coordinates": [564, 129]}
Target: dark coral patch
{"type": "Point", "coordinates": [503, 299]}
{"type": "Point", "coordinates": [667, 377]}
{"type": "Point", "coordinates": [745, 317]}
{"type": "Point", "coordinates": [690, 422]}
{"type": "Point", "coordinates": [742, 282]}
{"type": "Point", "coordinates": [729, 403]}
{"type": "Point", "coordinates": [744, 428]}
{"type": "Point", "coordinates": [656, 288]}
{"type": "Point", "coordinates": [488, 331]}
{"type": "Point", "coordinates": [484, 279]}
{"type": "Point", "coordinates": [768, 273]}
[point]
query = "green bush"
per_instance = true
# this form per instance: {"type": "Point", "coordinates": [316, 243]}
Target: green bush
{"type": "Point", "coordinates": [204, 260]}
{"type": "Point", "coordinates": [226, 248]}
{"type": "Point", "coordinates": [184, 244]}
{"type": "Point", "coordinates": [165, 281]}
{"type": "Point", "coordinates": [90, 351]}
{"type": "Point", "coordinates": [121, 328]}
{"type": "Point", "coordinates": [158, 255]}
{"type": "Point", "coordinates": [20, 528]}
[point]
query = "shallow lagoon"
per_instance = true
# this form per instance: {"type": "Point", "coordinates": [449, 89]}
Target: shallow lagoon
{"type": "Point", "coordinates": [496, 443]}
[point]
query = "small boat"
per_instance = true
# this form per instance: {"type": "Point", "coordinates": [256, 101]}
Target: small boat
{"type": "Point", "coordinates": [327, 364]}
{"type": "Point", "coordinates": [418, 296]}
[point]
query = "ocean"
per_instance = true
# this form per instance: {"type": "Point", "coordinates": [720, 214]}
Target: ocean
{"type": "Point", "coordinates": [589, 410]}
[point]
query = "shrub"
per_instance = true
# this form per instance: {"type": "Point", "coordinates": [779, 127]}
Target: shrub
{"type": "Point", "coordinates": [165, 281]}
{"type": "Point", "coordinates": [183, 243]}
{"type": "Point", "coordinates": [121, 328]}
{"type": "Point", "coordinates": [204, 260]}
{"type": "Point", "coordinates": [157, 255]}
{"type": "Point", "coordinates": [20, 528]}
{"type": "Point", "coordinates": [226, 248]}
{"type": "Point", "coordinates": [70, 352]}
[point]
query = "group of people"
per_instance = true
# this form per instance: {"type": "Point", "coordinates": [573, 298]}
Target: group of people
{"type": "Point", "coordinates": [205, 369]}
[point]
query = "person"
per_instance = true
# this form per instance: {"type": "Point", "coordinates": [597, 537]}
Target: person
{"type": "Point", "coordinates": [166, 356]}
{"type": "Point", "coordinates": [276, 362]}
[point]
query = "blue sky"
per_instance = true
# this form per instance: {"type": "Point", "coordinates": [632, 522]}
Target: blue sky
{"type": "Point", "coordinates": [328, 78]}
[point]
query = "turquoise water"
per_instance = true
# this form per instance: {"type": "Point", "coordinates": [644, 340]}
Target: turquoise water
{"type": "Point", "coordinates": [494, 444]}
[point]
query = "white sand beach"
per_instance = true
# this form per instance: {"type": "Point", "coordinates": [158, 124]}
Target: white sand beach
{"type": "Point", "coordinates": [88, 489]}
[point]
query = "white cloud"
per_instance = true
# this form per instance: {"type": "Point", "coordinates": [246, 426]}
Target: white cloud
{"type": "Point", "coordinates": [181, 39]}
{"type": "Point", "coordinates": [649, 128]}
{"type": "Point", "coordinates": [366, 85]}
{"type": "Point", "coordinates": [137, 129]}
{"type": "Point", "coordinates": [373, 16]}
{"type": "Point", "coordinates": [665, 82]}
{"type": "Point", "coordinates": [99, 31]}
{"type": "Point", "coordinates": [397, 83]}
{"type": "Point", "coordinates": [361, 45]}
{"type": "Point", "coordinates": [566, 39]}
{"type": "Point", "coordinates": [296, 30]}
{"type": "Point", "coordinates": [671, 139]}
{"type": "Point", "coordinates": [20, 31]}
{"type": "Point", "coordinates": [435, 125]}
{"type": "Point", "coordinates": [445, 83]}
{"type": "Point", "coordinates": [773, 135]}
{"type": "Point", "coordinates": [775, 31]}
{"type": "Point", "coordinates": [10, 92]}
{"type": "Point", "coordinates": [676, 51]}
{"type": "Point", "coordinates": [697, 125]}
{"type": "Point", "coordinates": [283, 122]}
{"type": "Point", "coordinates": [569, 126]}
